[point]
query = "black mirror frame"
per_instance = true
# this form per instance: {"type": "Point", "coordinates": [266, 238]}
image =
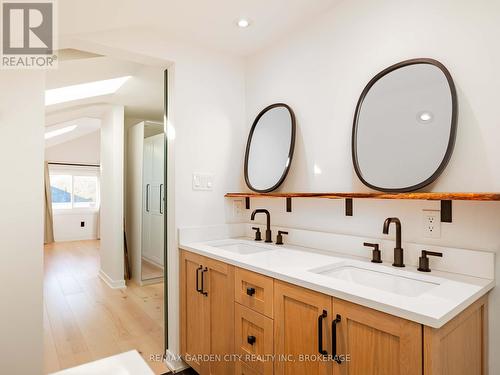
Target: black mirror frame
{"type": "Point", "coordinates": [290, 152]}
{"type": "Point", "coordinates": [453, 128]}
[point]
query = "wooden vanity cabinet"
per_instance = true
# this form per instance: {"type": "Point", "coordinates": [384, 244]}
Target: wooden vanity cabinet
{"type": "Point", "coordinates": [302, 321]}
{"type": "Point", "coordinates": [460, 346]}
{"type": "Point", "coordinates": [194, 312]}
{"type": "Point", "coordinates": [372, 342]}
{"type": "Point", "coordinates": [207, 314]}
{"type": "Point", "coordinates": [295, 324]}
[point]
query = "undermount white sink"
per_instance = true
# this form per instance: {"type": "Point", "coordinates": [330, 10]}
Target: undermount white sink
{"type": "Point", "coordinates": [239, 247]}
{"type": "Point", "coordinates": [389, 282]}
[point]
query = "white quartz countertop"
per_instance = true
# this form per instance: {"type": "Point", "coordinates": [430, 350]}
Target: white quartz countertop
{"type": "Point", "coordinates": [431, 298]}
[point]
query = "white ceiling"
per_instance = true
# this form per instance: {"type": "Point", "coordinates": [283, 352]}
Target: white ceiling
{"type": "Point", "coordinates": [142, 95]}
{"type": "Point", "coordinates": [210, 23]}
{"type": "Point", "coordinates": [84, 126]}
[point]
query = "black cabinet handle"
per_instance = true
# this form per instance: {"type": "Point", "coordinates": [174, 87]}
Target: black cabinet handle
{"type": "Point", "coordinates": [250, 291]}
{"type": "Point", "coordinates": [251, 340]}
{"type": "Point", "coordinates": [198, 278]}
{"type": "Point", "coordinates": [203, 282]}
{"type": "Point", "coordinates": [320, 333]}
{"type": "Point", "coordinates": [147, 197]}
{"type": "Point", "coordinates": [337, 319]}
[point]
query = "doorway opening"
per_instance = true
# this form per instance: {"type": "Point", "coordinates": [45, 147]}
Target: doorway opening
{"type": "Point", "coordinates": [104, 265]}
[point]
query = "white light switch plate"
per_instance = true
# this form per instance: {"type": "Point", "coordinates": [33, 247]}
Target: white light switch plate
{"type": "Point", "coordinates": [203, 181]}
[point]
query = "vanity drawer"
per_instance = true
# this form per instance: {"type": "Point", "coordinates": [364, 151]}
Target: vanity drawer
{"type": "Point", "coordinates": [254, 291]}
{"type": "Point", "coordinates": [254, 338]}
{"type": "Point", "coordinates": [243, 369]}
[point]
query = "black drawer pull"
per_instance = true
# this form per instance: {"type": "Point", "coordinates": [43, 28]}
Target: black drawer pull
{"type": "Point", "coordinates": [250, 291]}
{"type": "Point", "coordinates": [320, 333]}
{"type": "Point", "coordinates": [202, 291]}
{"type": "Point", "coordinates": [251, 340]}
{"type": "Point", "coordinates": [337, 320]}
{"type": "Point", "coordinates": [198, 279]}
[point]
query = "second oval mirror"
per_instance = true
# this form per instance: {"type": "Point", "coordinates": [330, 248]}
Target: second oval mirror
{"type": "Point", "coordinates": [270, 148]}
{"type": "Point", "coordinates": [405, 126]}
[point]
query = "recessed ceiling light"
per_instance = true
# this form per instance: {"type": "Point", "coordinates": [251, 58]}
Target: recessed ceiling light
{"type": "Point", "coordinates": [58, 132]}
{"type": "Point", "coordinates": [243, 23]}
{"type": "Point", "coordinates": [84, 90]}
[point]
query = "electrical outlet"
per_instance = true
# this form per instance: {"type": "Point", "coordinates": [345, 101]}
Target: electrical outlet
{"type": "Point", "coordinates": [431, 223]}
{"type": "Point", "coordinates": [238, 208]}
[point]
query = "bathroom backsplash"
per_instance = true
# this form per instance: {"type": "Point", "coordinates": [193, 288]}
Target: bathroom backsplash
{"type": "Point", "coordinates": [456, 260]}
{"type": "Point", "coordinates": [475, 225]}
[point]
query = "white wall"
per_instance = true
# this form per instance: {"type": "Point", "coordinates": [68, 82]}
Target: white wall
{"type": "Point", "coordinates": [206, 102]}
{"type": "Point", "coordinates": [111, 214]}
{"type": "Point", "coordinates": [21, 221]}
{"type": "Point", "coordinates": [67, 225]}
{"type": "Point", "coordinates": [321, 71]}
{"type": "Point", "coordinates": [134, 158]}
{"type": "Point", "coordinates": [85, 149]}
{"type": "Point", "coordinates": [208, 117]}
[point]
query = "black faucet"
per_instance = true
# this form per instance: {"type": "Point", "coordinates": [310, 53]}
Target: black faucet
{"type": "Point", "coordinates": [268, 227]}
{"type": "Point", "coordinates": [398, 250]}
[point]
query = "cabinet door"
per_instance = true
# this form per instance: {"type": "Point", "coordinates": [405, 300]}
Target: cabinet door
{"type": "Point", "coordinates": [460, 346]}
{"type": "Point", "coordinates": [299, 323]}
{"type": "Point", "coordinates": [147, 171]}
{"type": "Point", "coordinates": [146, 197]}
{"type": "Point", "coordinates": [219, 286]}
{"type": "Point", "coordinates": [156, 227]}
{"type": "Point", "coordinates": [375, 343]}
{"type": "Point", "coordinates": [194, 313]}
{"type": "Point", "coordinates": [158, 157]}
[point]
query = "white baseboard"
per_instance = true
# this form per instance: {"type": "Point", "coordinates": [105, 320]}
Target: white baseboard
{"type": "Point", "coordinates": [75, 238]}
{"type": "Point", "coordinates": [174, 362]}
{"type": "Point", "coordinates": [113, 284]}
{"type": "Point", "coordinates": [154, 280]}
{"type": "Point", "coordinates": [152, 261]}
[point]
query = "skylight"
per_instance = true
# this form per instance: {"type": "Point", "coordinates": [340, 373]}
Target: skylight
{"type": "Point", "coordinates": [84, 90]}
{"type": "Point", "coordinates": [58, 132]}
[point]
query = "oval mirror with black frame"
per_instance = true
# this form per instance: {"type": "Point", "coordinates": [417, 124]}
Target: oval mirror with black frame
{"type": "Point", "coordinates": [270, 148]}
{"type": "Point", "coordinates": [405, 126]}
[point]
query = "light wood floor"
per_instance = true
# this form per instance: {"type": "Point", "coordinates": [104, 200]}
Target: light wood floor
{"type": "Point", "coordinates": [150, 270]}
{"type": "Point", "coordinates": [85, 320]}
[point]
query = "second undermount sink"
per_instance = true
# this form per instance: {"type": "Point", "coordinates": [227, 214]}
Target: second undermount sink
{"type": "Point", "coordinates": [384, 280]}
{"type": "Point", "coordinates": [241, 247]}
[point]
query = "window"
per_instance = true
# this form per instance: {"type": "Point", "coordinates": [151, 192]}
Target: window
{"type": "Point", "coordinates": [85, 191]}
{"type": "Point", "coordinates": [61, 188]}
{"type": "Point", "coordinates": [74, 188]}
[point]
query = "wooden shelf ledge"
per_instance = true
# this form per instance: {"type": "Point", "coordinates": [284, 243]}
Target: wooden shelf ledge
{"type": "Point", "coordinates": [409, 196]}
